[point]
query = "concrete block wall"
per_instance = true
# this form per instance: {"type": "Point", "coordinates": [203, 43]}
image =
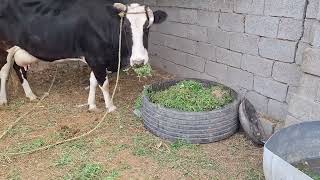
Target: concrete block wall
{"type": "Point", "coordinates": [254, 46]}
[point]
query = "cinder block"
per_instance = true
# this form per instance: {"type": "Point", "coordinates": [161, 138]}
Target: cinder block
{"type": "Point", "coordinates": [291, 121]}
{"type": "Point", "coordinates": [262, 25]}
{"type": "Point", "coordinates": [311, 61]}
{"type": "Point", "coordinates": [188, 31]}
{"type": "Point", "coordinates": [315, 35]}
{"type": "Point", "coordinates": [257, 65]}
{"type": "Point", "coordinates": [181, 15]}
{"type": "Point", "coordinates": [285, 8]}
{"type": "Point", "coordinates": [308, 86]}
{"type": "Point", "coordinates": [178, 57]}
{"type": "Point", "coordinates": [249, 6]}
{"type": "Point", "coordinates": [231, 22]}
{"type": "Point", "coordinates": [208, 19]}
{"type": "Point", "coordinates": [290, 29]}
{"type": "Point", "coordinates": [270, 88]}
{"type": "Point", "coordinates": [207, 51]}
{"type": "Point", "coordinates": [259, 101]}
{"type": "Point", "coordinates": [228, 57]}
{"type": "Point", "coordinates": [277, 110]}
{"type": "Point", "coordinates": [217, 70]}
{"type": "Point", "coordinates": [277, 49]}
{"type": "Point", "coordinates": [244, 43]}
{"type": "Point", "coordinates": [286, 73]}
{"type": "Point", "coordinates": [238, 77]}
{"type": "Point", "coordinates": [299, 54]}
{"type": "Point", "coordinates": [175, 42]}
{"type": "Point", "coordinates": [313, 8]}
{"type": "Point", "coordinates": [218, 37]}
{"type": "Point", "coordinates": [300, 108]}
{"type": "Point", "coordinates": [307, 30]}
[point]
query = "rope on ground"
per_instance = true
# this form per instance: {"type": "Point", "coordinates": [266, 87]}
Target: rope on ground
{"type": "Point", "coordinates": [46, 94]}
{"type": "Point", "coordinates": [32, 109]}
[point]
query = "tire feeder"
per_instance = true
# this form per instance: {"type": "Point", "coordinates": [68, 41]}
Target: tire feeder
{"type": "Point", "coordinates": [193, 127]}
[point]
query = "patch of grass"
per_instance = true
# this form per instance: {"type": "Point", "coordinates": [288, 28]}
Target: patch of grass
{"type": "Point", "coordinates": [114, 152]}
{"type": "Point", "coordinates": [139, 102]}
{"type": "Point", "coordinates": [37, 143]}
{"type": "Point", "coordinates": [14, 175]}
{"type": "Point", "coordinates": [86, 172]}
{"type": "Point", "coordinates": [64, 160]}
{"type": "Point", "coordinates": [113, 175]}
{"type": "Point", "coordinates": [254, 174]}
{"type": "Point", "coordinates": [179, 155]}
{"type": "Point", "coordinates": [192, 96]}
{"type": "Point", "coordinates": [143, 71]}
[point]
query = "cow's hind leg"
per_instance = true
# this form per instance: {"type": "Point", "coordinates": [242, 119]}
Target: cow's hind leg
{"type": "Point", "coordinates": [4, 74]}
{"type": "Point", "coordinates": [22, 75]}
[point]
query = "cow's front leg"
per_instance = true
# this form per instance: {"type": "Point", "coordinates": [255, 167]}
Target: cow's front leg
{"type": "Point", "coordinates": [92, 93]}
{"type": "Point", "coordinates": [107, 98]}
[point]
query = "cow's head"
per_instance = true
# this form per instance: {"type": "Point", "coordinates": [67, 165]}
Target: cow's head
{"type": "Point", "coordinates": [138, 19]}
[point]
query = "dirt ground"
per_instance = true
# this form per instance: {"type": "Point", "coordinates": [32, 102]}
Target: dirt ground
{"type": "Point", "coordinates": [121, 149]}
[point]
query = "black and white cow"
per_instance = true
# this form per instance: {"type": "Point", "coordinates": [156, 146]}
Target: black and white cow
{"type": "Point", "coordinates": [88, 30]}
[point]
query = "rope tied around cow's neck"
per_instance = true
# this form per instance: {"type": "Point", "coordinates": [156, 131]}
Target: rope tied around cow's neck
{"type": "Point", "coordinates": [122, 14]}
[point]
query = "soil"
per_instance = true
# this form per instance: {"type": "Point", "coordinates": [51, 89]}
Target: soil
{"type": "Point", "coordinates": [122, 146]}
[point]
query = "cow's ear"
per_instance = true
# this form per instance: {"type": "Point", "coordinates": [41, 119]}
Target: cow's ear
{"type": "Point", "coordinates": [120, 7]}
{"type": "Point", "coordinates": [159, 16]}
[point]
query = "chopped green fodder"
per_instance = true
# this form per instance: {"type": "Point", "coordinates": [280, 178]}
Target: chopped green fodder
{"type": "Point", "coordinates": [143, 71]}
{"type": "Point", "coordinates": [192, 96]}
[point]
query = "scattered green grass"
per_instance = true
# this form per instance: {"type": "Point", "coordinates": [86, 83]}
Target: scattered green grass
{"type": "Point", "coordinates": [37, 143]}
{"type": "Point", "coordinates": [113, 175]}
{"type": "Point", "coordinates": [114, 152]}
{"type": "Point", "coordinates": [192, 96]}
{"type": "Point", "coordinates": [86, 172]}
{"type": "Point", "coordinates": [139, 102]}
{"type": "Point", "coordinates": [64, 160]}
{"type": "Point", "coordinates": [179, 155]}
{"type": "Point", "coordinates": [143, 71]}
{"type": "Point", "coordinates": [254, 174]}
{"type": "Point", "coordinates": [14, 175]}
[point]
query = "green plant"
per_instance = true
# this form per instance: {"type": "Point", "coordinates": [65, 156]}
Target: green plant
{"type": "Point", "coordinates": [37, 143]}
{"type": "Point", "coordinates": [192, 96]}
{"type": "Point", "coordinates": [87, 172]}
{"type": "Point", "coordinates": [143, 71]}
{"type": "Point", "coordinates": [64, 160]}
{"type": "Point", "coordinates": [113, 175]}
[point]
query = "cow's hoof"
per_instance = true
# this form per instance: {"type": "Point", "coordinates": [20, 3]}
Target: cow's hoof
{"type": "Point", "coordinates": [95, 110]}
{"type": "Point", "coordinates": [3, 102]}
{"type": "Point", "coordinates": [112, 108]}
{"type": "Point", "coordinates": [33, 98]}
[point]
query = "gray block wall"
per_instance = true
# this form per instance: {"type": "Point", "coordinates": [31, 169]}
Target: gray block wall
{"type": "Point", "coordinates": [254, 46]}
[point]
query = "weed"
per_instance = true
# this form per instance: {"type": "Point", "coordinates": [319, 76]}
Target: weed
{"type": "Point", "coordinates": [116, 150]}
{"type": "Point", "coordinates": [180, 154]}
{"type": "Point", "coordinates": [143, 71]}
{"type": "Point", "coordinates": [64, 160]}
{"type": "Point", "coordinates": [113, 175]}
{"type": "Point", "coordinates": [86, 172]}
{"type": "Point", "coordinates": [254, 174]}
{"type": "Point", "coordinates": [37, 143]}
{"type": "Point", "coordinates": [192, 96]}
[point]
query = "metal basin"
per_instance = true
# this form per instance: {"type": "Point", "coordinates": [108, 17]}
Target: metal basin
{"type": "Point", "coordinates": [288, 146]}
